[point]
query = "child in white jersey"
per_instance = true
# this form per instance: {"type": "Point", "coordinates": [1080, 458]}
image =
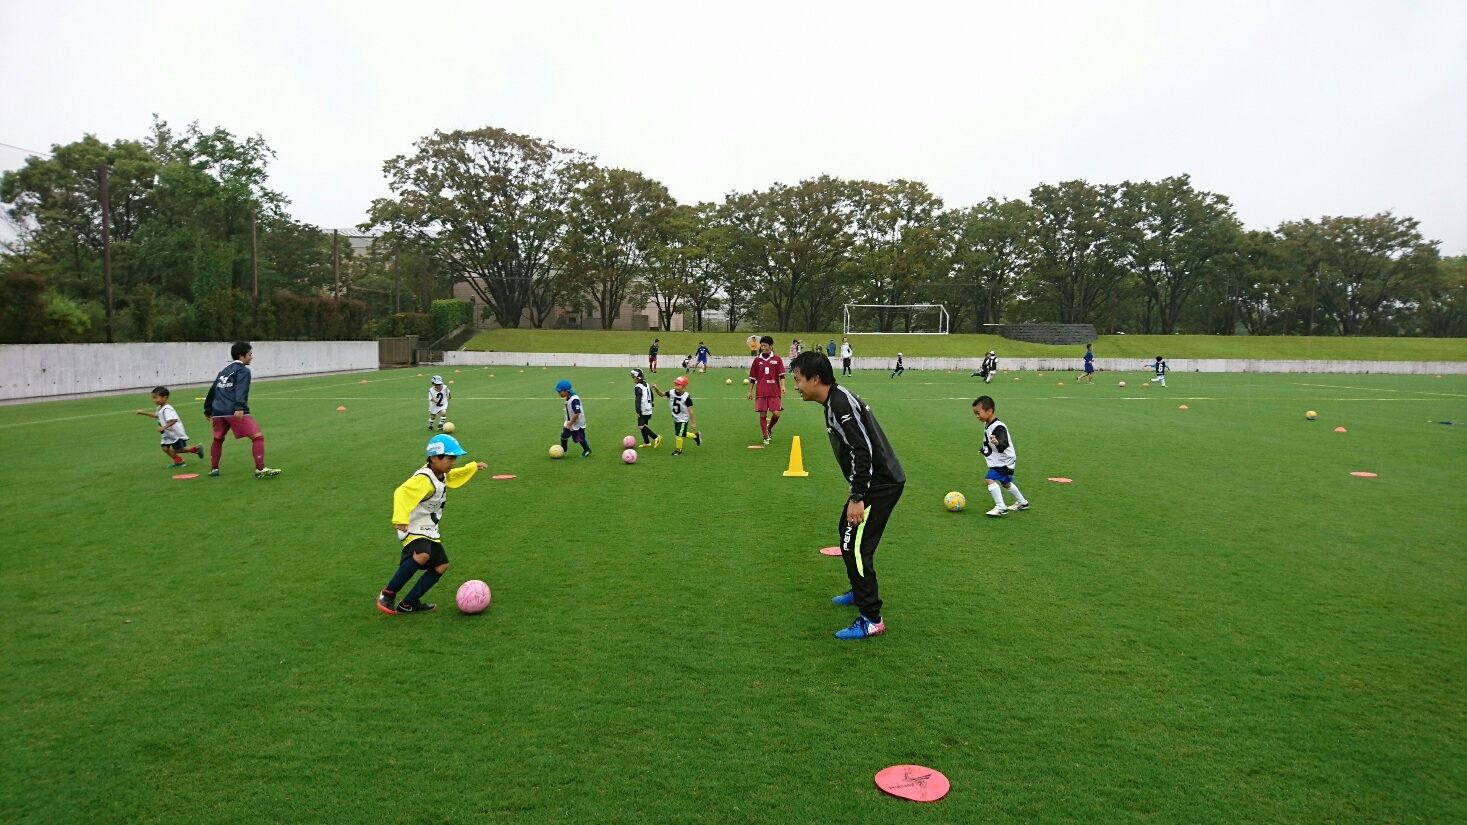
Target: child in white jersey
{"type": "Point", "coordinates": [417, 507]}
{"type": "Point", "coordinates": [175, 440]}
{"type": "Point", "coordinates": [998, 452]}
{"type": "Point", "coordinates": [438, 396]}
{"type": "Point", "coordinates": [680, 403]}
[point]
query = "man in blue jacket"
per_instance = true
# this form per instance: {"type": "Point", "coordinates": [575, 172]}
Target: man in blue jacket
{"type": "Point", "coordinates": [227, 406]}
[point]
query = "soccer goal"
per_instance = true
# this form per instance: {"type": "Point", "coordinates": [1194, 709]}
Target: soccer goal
{"type": "Point", "coordinates": [896, 319]}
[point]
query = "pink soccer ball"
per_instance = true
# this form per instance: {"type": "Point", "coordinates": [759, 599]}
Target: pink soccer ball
{"type": "Point", "coordinates": [1123, 383]}
{"type": "Point", "coordinates": [629, 442]}
{"type": "Point", "coordinates": [629, 456]}
{"type": "Point", "coordinates": [472, 596]}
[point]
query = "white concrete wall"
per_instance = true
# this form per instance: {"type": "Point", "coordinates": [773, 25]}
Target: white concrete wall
{"type": "Point", "coordinates": [40, 371]}
{"type": "Point", "coordinates": [565, 359]}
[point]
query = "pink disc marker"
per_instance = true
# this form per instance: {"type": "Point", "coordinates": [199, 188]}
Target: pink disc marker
{"type": "Point", "coordinates": [1357, 474]}
{"type": "Point", "coordinates": [1061, 480]}
{"type": "Point", "coordinates": [830, 551]}
{"type": "Point", "coordinates": [913, 782]}
{"type": "Point", "coordinates": [503, 477]}
{"type": "Point", "coordinates": [756, 446]}
{"type": "Point", "coordinates": [186, 476]}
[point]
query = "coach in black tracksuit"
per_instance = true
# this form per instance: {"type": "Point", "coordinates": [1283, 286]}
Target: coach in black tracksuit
{"type": "Point", "coordinates": [876, 483]}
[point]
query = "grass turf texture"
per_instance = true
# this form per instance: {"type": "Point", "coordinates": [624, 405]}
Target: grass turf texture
{"type": "Point", "coordinates": [675, 345]}
{"type": "Point", "coordinates": [1214, 622]}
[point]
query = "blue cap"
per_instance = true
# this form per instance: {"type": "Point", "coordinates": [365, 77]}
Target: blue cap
{"type": "Point", "coordinates": [562, 385]}
{"type": "Point", "coordinates": [445, 445]}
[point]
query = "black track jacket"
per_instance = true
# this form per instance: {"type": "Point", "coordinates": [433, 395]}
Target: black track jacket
{"type": "Point", "coordinates": [861, 448]}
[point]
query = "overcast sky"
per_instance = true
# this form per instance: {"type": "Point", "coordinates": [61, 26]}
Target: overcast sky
{"type": "Point", "coordinates": [1291, 109]}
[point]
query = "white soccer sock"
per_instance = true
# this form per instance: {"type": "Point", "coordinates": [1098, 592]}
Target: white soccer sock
{"type": "Point", "coordinates": [1018, 496]}
{"type": "Point", "coordinates": [997, 492]}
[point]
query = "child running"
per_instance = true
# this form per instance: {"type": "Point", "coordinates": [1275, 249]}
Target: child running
{"type": "Point", "coordinates": [642, 404]}
{"type": "Point", "coordinates": [681, 405]}
{"type": "Point", "coordinates": [175, 440]}
{"type": "Point", "coordinates": [575, 419]}
{"type": "Point", "coordinates": [438, 396]}
{"type": "Point", "coordinates": [417, 507]}
{"type": "Point", "coordinates": [998, 451]}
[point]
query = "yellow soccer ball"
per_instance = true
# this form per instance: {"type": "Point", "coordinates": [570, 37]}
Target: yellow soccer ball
{"type": "Point", "coordinates": [556, 451]}
{"type": "Point", "coordinates": [954, 501]}
{"type": "Point", "coordinates": [1311, 415]}
{"type": "Point", "coordinates": [448, 427]}
{"type": "Point", "coordinates": [728, 380]}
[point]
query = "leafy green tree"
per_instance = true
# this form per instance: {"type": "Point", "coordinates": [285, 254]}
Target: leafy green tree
{"type": "Point", "coordinates": [993, 250]}
{"type": "Point", "coordinates": [1172, 237]}
{"type": "Point", "coordinates": [682, 270]}
{"type": "Point", "coordinates": [896, 245]}
{"type": "Point", "coordinates": [1076, 262]}
{"type": "Point", "coordinates": [490, 207]}
{"type": "Point", "coordinates": [787, 240]}
{"type": "Point", "coordinates": [1442, 300]}
{"type": "Point", "coordinates": [612, 222]}
{"type": "Point", "coordinates": [56, 203]}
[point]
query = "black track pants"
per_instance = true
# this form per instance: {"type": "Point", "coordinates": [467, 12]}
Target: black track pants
{"type": "Point", "coordinates": [858, 546]}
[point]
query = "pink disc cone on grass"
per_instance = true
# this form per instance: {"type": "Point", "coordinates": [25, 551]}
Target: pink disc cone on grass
{"type": "Point", "coordinates": [472, 596]}
{"type": "Point", "coordinates": [830, 551]}
{"type": "Point", "coordinates": [341, 409]}
{"type": "Point", "coordinates": [629, 442]}
{"type": "Point", "coordinates": [1183, 407]}
{"type": "Point", "coordinates": [629, 456]}
{"type": "Point", "coordinates": [186, 476]}
{"type": "Point", "coordinates": [756, 446]}
{"type": "Point", "coordinates": [1061, 480]}
{"type": "Point", "coordinates": [913, 782]}
{"type": "Point", "coordinates": [503, 477]}
{"type": "Point", "coordinates": [1339, 429]}
{"type": "Point", "coordinates": [1361, 474]}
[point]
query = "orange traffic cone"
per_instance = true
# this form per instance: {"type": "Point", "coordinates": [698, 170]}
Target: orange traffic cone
{"type": "Point", "coordinates": [797, 460]}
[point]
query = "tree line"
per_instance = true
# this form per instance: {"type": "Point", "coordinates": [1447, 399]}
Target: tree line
{"type": "Point", "coordinates": [202, 249]}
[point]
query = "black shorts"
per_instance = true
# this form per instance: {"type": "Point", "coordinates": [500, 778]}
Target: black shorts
{"type": "Point", "coordinates": [178, 446]}
{"type": "Point", "coordinates": [680, 428]}
{"type": "Point", "coordinates": [436, 554]}
{"type": "Point", "coordinates": [643, 419]}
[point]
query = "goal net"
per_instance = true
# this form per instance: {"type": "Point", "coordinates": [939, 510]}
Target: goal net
{"type": "Point", "coordinates": [896, 319]}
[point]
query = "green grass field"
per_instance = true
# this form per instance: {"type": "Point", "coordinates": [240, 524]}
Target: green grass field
{"type": "Point", "coordinates": [677, 344]}
{"type": "Point", "coordinates": [1215, 622]}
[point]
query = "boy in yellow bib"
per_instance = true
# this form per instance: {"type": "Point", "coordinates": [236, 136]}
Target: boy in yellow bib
{"type": "Point", "coordinates": [417, 507]}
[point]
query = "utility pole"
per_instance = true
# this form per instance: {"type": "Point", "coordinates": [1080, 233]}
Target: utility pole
{"type": "Point", "coordinates": [396, 281]}
{"type": "Point", "coordinates": [336, 261]}
{"type": "Point", "coordinates": [106, 248]}
{"type": "Point", "coordinates": [254, 260]}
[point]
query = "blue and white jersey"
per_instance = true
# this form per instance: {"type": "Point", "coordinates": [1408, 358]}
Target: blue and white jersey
{"type": "Point", "coordinates": [1160, 367]}
{"type": "Point", "coordinates": [679, 403]}
{"type": "Point", "coordinates": [642, 399]}
{"type": "Point", "coordinates": [703, 353]}
{"type": "Point", "coordinates": [572, 407]}
{"type": "Point", "coordinates": [1001, 454]}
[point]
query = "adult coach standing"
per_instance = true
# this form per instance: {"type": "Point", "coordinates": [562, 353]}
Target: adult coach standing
{"type": "Point", "coordinates": [876, 482]}
{"type": "Point", "coordinates": [766, 386]}
{"type": "Point", "coordinates": [845, 356]}
{"type": "Point", "coordinates": [227, 407]}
